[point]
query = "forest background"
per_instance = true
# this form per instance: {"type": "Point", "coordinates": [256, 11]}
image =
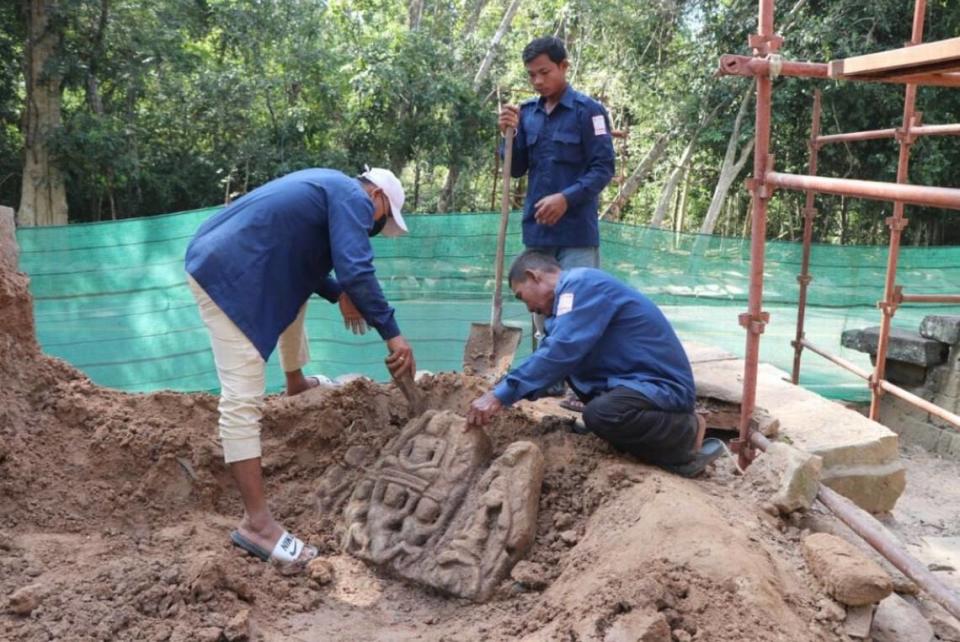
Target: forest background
{"type": "Point", "coordinates": [119, 108]}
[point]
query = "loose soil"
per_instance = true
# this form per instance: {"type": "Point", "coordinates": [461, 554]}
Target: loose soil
{"type": "Point", "coordinates": [117, 510]}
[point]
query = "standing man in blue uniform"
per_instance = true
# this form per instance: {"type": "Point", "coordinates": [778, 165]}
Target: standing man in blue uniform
{"type": "Point", "coordinates": [618, 353]}
{"type": "Point", "coordinates": [563, 142]}
{"type": "Point", "coordinates": [251, 268]}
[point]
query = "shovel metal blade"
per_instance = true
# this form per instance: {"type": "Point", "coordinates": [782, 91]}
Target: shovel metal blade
{"type": "Point", "coordinates": [490, 350]}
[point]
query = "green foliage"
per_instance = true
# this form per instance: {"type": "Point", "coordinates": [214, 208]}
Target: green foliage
{"type": "Point", "coordinates": [176, 104]}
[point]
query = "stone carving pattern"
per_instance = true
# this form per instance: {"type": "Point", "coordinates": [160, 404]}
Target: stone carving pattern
{"type": "Point", "coordinates": [428, 511]}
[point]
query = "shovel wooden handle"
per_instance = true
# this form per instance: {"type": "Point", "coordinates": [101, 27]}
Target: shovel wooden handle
{"type": "Point", "coordinates": [497, 312]}
{"type": "Point", "coordinates": [411, 393]}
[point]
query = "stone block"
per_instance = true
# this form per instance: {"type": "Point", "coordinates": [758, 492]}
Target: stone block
{"type": "Point", "coordinates": [897, 620]}
{"type": "Point", "coordinates": [435, 510]}
{"type": "Point", "coordinates": [845, 573]}
{"type": "Point", "coordinates": [894, 410]}
{"type": "Point", "coordinates": [904, 345]}
{"type": "Point", "coordinates": [875, 488]}
{"type": "Point", "coordinates": [860, 457]}
{"type": "Point", "coordinates": [945, 626]}
{"type": "Point", "coordinates": [788, 476]}
{"type": "Point", "coordinates": [903, 373]}
{"type": "Point", "coordinates": [858, 621]}
{"type": "Point", "coordinates": [918, 433]}
{"type": "Point", "coordinates": [949, 443]}
{"type": "Point", "coordinates": [947, 402]}
{"type": "Point", "coordinates": [943, 328]}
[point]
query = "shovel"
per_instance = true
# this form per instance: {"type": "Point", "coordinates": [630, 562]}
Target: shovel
{"type": "Point", "coordinates": [490, 347]}
{"type": "Point", "coordinates": [411, 393]}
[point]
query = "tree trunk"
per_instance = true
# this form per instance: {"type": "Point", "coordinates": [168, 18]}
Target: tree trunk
{"type": "Point", "coordinates": [44, 198]}
{"type": "Point", "coordinates": [474, 18]}
{"type": "Point", "coordinates": [446, 194]}
{"type": "Point", "coordinates": [632, 184]}
{"type": "Point", "coordinates": [492, 49]}
{"type": "Point", "coordinates": [730, 169]}
{"type": "Point", "coordinates": [414, 14]}
{"type": "Point", "coordinates": [450, 184]}
{"type": "Point", "coordinates": [678, 213]}
{"type": "Point", "coordinates": [666, 196]}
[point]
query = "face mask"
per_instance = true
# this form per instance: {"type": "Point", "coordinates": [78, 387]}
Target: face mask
{"type": "Point", "coordinates": [377, 226]}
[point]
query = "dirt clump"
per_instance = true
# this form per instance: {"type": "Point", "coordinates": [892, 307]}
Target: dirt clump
{"type": "Point", "coordinates": [847, 574]}
{"type": "Point", "coordinates": [118, 508]}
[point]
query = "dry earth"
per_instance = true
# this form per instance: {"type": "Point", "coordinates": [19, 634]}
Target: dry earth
{"type": "Point", "coordinates": [117, 509]}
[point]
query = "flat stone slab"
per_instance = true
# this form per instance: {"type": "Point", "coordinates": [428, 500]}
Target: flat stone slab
{"type": "Point", "coordinates": [943, 328]}
{"type": "Point", "coordinates": [897, 620]}
{"type": "Point", "coordinates": [861, 458]}
{"type": "Point", "coordinates": [904, 345]}
{"type": "Point", "coordinates": [434, 509]}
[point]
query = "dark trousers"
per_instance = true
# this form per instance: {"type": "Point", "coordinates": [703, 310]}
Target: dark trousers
{"type": "Point", "coordinates": [629, 422]}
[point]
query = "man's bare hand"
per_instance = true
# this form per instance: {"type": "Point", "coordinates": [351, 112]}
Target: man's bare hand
{"type": "Point", "coordinates": [550, 209]}
{"type": "Point", "coordinates": [352, 319]}
{"type": "Point", "coordinates": [401, 357]}
{"type": "Point", "coordinates": [482, 410]}
{"type": "Point", "coordinates": [509, 117]}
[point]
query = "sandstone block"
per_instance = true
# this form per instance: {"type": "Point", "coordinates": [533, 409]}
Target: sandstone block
{"type": "Point", "coordinates": [897, 620]}
{"type": "Point", "coordinates": [434, 509]}
{"type": "Point", "coordinates": [858, 621]}
{"type": "Point", "coordinates": [860, 457]}
{"type": "Point", "coordinates": [846, 574]}
{"type": "Point", "coordinates": [904, 345]}
{"type": "Point", "coordinates": [943, 328]}
{"type": "Point", "coordinates": [789, 476]}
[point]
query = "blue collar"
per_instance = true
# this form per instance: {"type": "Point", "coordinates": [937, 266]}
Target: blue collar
{"type": "Point", "coordinates": [566, 99]}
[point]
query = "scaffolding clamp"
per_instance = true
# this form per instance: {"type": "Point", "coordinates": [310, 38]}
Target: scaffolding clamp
{"type": "Point", "coordinates": [811, 212]}
{"type": "Point", "coordinates": [776, 65]}
{"type": "Point", "coordinates": [804, 279]}
{"type": "Point", "coordinates": [888, 308]}
{"type": "Point", "coordinates": [754, 324]}
{"type": "Point", "coordinates": [758, 188]}
{"type": "Point", "coordinates": [898, 294]}
{"type": "Point", "coordinates": [763, 45]}
{"type": "Point", "coordinates": [896, 223]}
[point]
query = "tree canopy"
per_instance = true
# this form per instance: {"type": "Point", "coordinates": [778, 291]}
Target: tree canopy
{"type": "Point", "coordinates": [177, 104]}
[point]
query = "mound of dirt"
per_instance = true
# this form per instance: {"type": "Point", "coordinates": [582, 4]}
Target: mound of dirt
{"type": "Point", "coordinates": [117, 509]}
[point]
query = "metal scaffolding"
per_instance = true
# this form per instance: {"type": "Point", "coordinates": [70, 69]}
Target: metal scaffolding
{"type": "Point", "coordinates": [917, 64]}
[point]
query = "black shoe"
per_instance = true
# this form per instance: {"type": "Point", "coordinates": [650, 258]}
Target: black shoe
{"type": "Point", "coordinates": [710, 451]}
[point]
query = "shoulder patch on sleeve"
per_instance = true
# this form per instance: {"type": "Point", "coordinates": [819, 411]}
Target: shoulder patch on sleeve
{"type": "Point", "coordinates": [599, 125]}
{"type": "Point", "coordinates": [565, 304]}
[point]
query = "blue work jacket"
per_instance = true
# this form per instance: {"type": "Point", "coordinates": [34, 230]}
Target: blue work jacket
{"type": "Point", "coordinates": [569, 151]}
{"type": "Point", "coordinates": [604, 334]}
{"type": "Point", "coordinates": [261, 257]}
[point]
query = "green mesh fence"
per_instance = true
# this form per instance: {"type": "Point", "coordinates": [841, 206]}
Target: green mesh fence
{"type": "Point", "coordinates": [111, 299]}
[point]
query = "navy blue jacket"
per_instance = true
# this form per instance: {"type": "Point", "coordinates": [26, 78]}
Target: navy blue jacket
{"type": "Point", "coordinates": [604, 334]}
{"type": "Point", "coordinates": [262, 256]}
{"type": "Point", "coordinates": [569, 151]}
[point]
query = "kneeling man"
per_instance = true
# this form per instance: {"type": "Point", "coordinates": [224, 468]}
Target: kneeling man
{"type": "Point", "coordinates": [619, 354]}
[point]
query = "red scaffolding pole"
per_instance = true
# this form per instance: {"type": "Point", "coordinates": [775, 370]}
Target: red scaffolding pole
{"type": "Point", "coordinates": [917, 64]}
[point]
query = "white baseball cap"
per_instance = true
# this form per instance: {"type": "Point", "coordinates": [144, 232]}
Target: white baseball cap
{"type": "Point", "coordinates": [390, 184]}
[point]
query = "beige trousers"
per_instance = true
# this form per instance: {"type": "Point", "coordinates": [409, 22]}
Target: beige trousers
{"type": "Point", "coordinates": [242, 374]}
